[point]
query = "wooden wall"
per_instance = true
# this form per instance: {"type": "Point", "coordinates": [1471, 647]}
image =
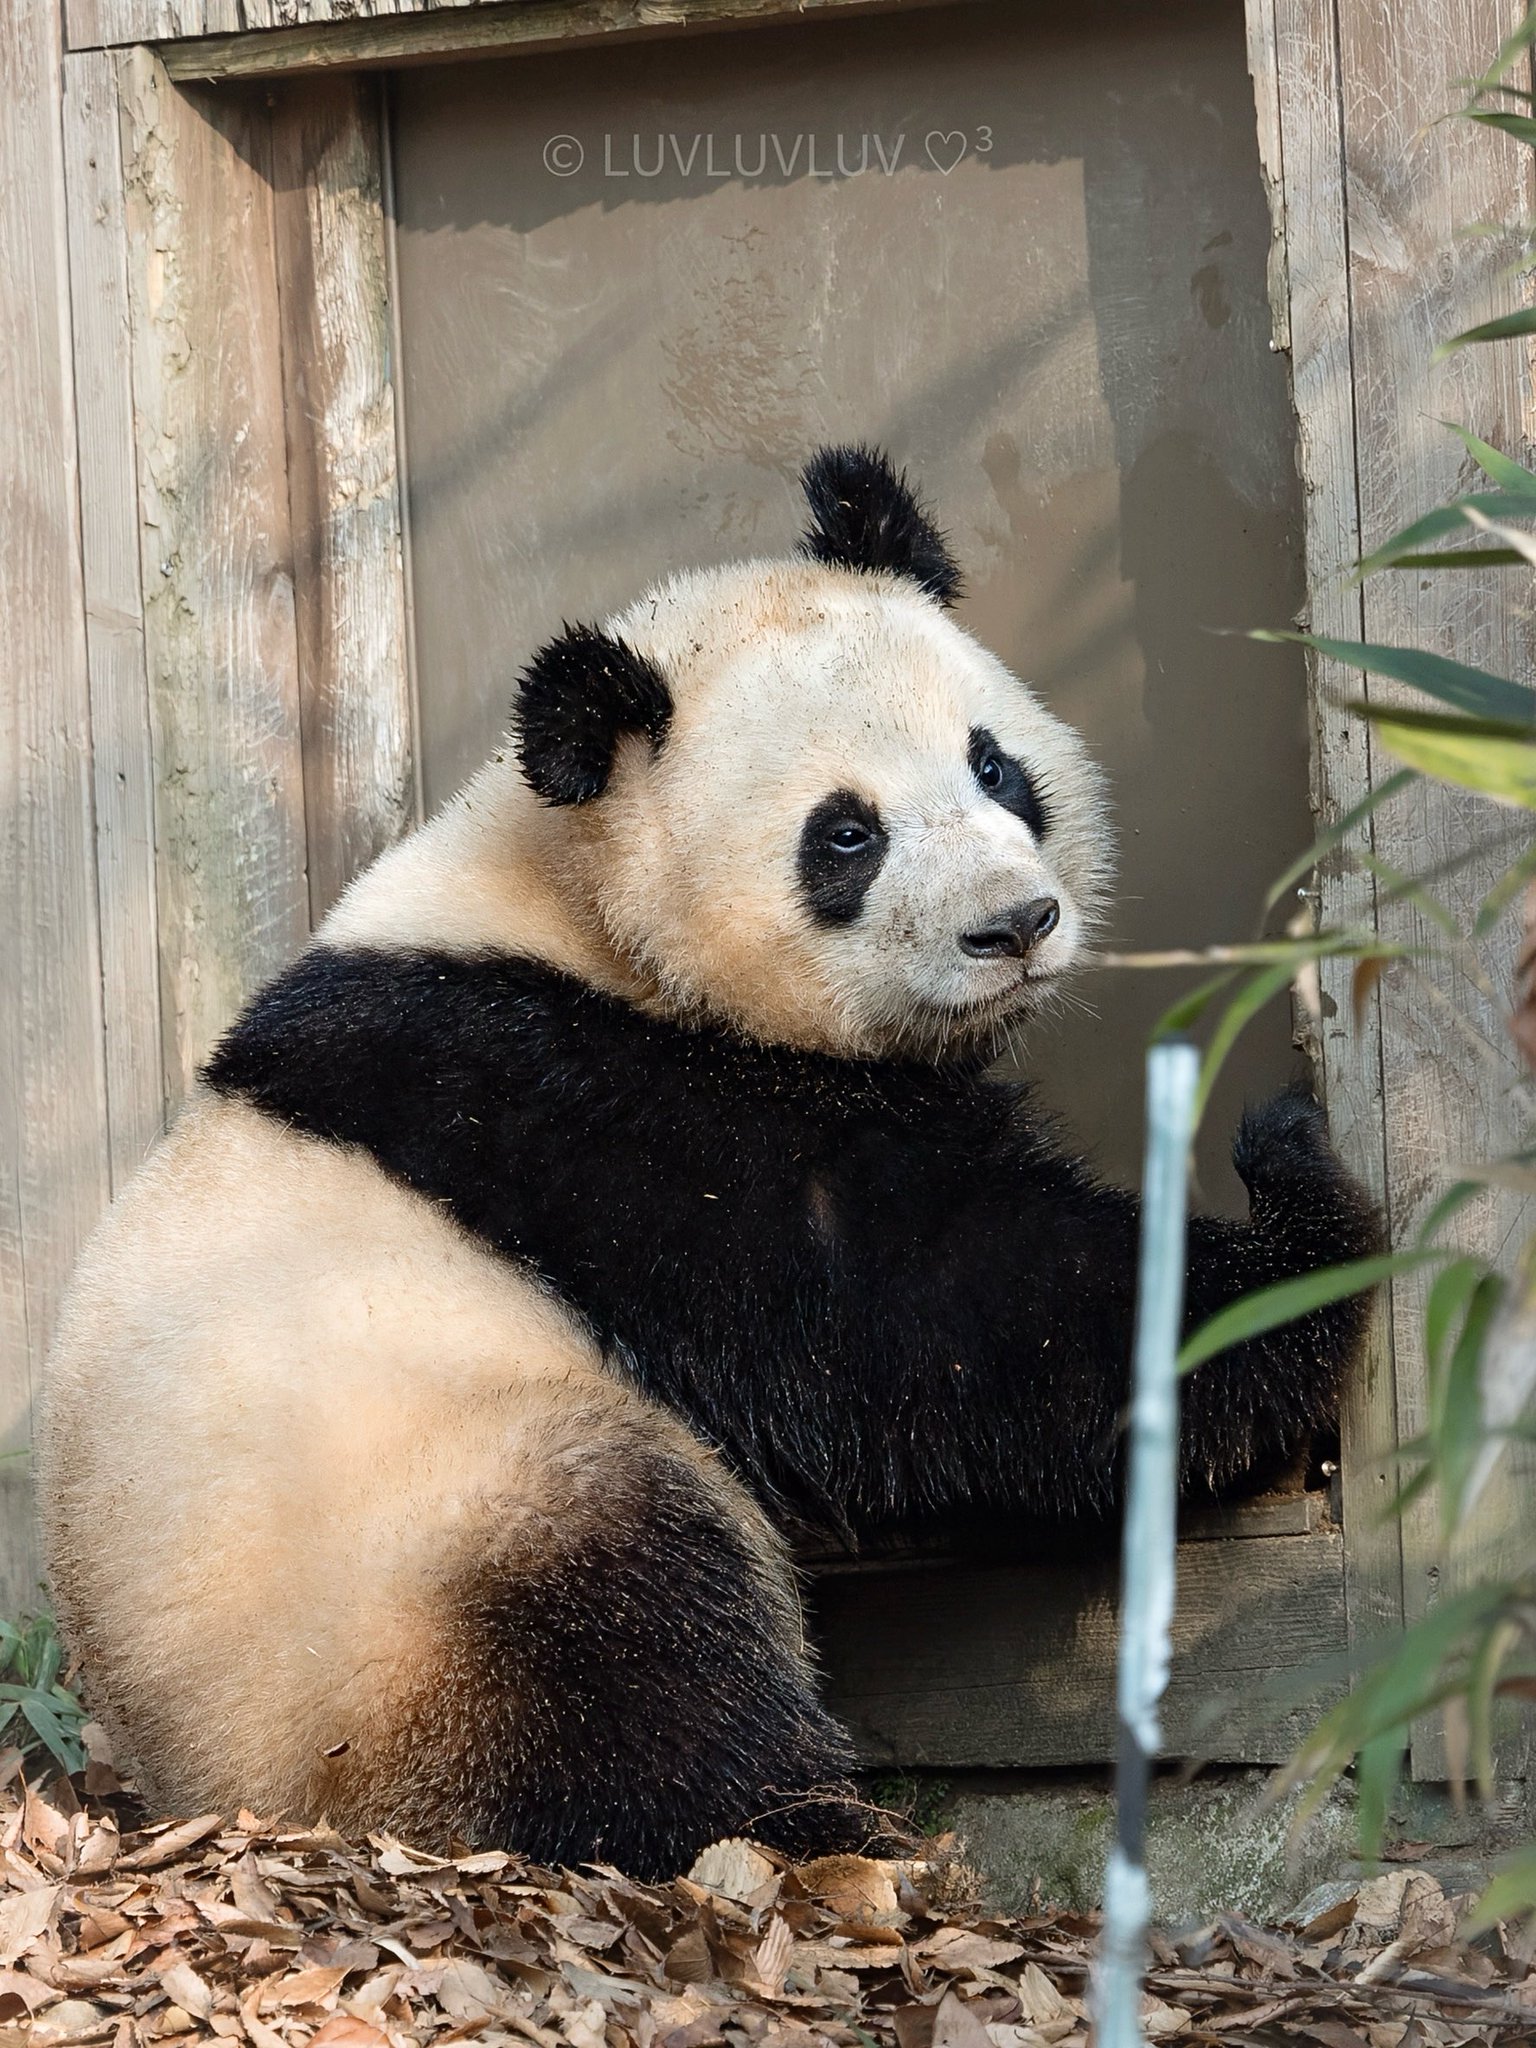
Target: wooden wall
{"type": "Point", "coordinates": [207, 691]}
{"type": "Point", "coordinates": [208, 713]}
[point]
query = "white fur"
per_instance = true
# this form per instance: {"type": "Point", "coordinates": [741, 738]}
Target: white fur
{"type": "Point", "coordinates": [678, 886]}
{"type": "Point", "coordinates": [288, 1398]}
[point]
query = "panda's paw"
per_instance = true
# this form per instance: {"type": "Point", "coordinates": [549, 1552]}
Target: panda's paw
{"type": "Point", "coordinates": [1285, 1138]}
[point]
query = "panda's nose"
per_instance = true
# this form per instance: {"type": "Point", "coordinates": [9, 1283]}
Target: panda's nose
{"type": "Point", "coordinates": [1010, 935]}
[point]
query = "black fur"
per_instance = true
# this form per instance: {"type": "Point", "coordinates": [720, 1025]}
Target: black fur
{"type": "Point", "coordinates": [878, 1289]}
{"type": "Point", "coordinates": [627, 1695]}
{"type": "Point", "coordinates": [835, 879]}
{"type": "Point", "coordinates": [865, 515]}
{"type": "Point", "coordinates": [1015, 788]}
{"type": "Point", "coordinates": [574, 699]}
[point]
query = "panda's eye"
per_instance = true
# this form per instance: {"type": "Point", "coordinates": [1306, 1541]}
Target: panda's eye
{"type": "Point", "coordinates": [849, 837]}
{"type": "Point", "coordinates": [989, 772]}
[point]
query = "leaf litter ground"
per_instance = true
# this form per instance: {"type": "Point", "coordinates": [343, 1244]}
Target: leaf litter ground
{"type": "Point", "coordinates": [260, 1933]}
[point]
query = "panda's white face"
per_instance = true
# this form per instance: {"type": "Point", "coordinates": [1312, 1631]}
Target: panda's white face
{"type": "Point", "coordinates": [860, 833]}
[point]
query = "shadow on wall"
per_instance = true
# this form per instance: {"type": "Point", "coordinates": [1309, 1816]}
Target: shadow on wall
{"type": "Point", "coordinates": [1044, 289]}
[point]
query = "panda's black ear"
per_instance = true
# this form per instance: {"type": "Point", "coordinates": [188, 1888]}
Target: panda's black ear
{"type": "Point", "coordinates": [865, 515]}
{"type": "Point", "coordinates": [574, 700]}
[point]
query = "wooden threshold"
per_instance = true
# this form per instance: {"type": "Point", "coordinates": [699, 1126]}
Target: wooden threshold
{"type": "Point", "coordinates": [955, 1664]}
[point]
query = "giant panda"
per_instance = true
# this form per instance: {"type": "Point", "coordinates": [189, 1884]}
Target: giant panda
{"type": "Point", "coordinates": [617, 1180]}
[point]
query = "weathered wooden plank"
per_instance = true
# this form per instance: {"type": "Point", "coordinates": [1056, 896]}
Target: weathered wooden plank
{"type": "Point", "coordinates": [359, 784]}
{"type": "Point", "coordinates": [458, 31]}
{"type": "Point", "coordinates": [966, 1665]}
{"type": "Point", "coordinates": [215, 551]}
{"type": "Point", "coordinates": [121, 756]}
{"type": "Point", "coordinates": [53, 1181]}
{"type": "Point", "coordinates": [1413, 186]}
{"type": "Point", "coordinates": [1301, 136]}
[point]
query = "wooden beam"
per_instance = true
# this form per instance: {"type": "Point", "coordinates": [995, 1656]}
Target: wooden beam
{"type": "Point", "coordinates": [344, 490]}
{"type": "Point", "coordinates": [122, 759]}
{"type": "Point", "coordinates": [970, 1666]}
{"type": "Point", "coordinates": [53, 1165]}
{"type": "Point", "coordinates": [1293, 57]}
{"type": "Point", "coordinates": [216, 553]}
{"type": "Point", "coordinates": [1414, 187]}
{"type": "Point", "coordinates": [442, 32]}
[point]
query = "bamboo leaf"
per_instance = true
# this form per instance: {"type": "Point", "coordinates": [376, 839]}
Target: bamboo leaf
{"type": "Point", "coordinates": [1520, 126]}
{"type": "Point", "coordinates": [1364, 945]}
{"type": "Point", "coordinates": [1505, 328]}
{"type": "Point", "coordinates": [1504, 892]}
{"type": "Point", "coordinates": [1442, 520]}
{"type": "Point", "coordinates": [1450, 1205]}
{"type": "Point", "coordinates": [1182, 1016]}
{"type": "Point", "coordinates": [1266, 983]}
{"type": "Point", "coordinates": [1511, 1896]}
{"type": "Point", "coordinates": [1459, 1425]}
{"type": "Point", "coordinates": [1444, 1307]}
{"type": "Point", "coordinates": [1376, 1776]}
{"type": "Point", "coordinates": [1459, 558]}
{"type": "Point", "coordinates": [1455, 683]}
{"type": "Point", "coordinates": [1486, 1666]}
{"type": "Point", "coordinates": [1269, 1308]}
{"type": "Point", "coordinates": [1495, 759]}
{"type": "Point", "coordinates": [1336, 834]}
{"type": "Point", "coordinates": [1501, 469]}
{"type": "Point", "coordinates": [1510, 51]}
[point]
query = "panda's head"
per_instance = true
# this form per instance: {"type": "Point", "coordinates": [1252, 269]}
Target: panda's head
{"type": "Point", "coordinates": [806, 803]}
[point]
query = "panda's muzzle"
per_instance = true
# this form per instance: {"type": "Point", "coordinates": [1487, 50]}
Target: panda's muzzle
{"type": "Point", "coordinates": [1014, 932]}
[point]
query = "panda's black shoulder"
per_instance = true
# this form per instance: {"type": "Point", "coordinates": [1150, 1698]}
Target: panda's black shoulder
{"type": "Point", "coordinates": [563, 1125]}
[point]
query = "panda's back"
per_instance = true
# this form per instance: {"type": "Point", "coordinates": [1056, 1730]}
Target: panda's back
{"type": "Point", "coordinates": [285, 1391]}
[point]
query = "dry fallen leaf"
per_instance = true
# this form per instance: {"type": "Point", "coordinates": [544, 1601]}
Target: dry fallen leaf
{"type": "Point", "coordinates": [733, 1869]}
{"type": "Point", "coordinates": [23, 1917]}
{"type": "Point", "coordinates": [279, 1937]}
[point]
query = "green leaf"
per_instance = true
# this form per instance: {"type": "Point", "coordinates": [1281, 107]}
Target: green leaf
{"type": "Point", "coordinates": [1495, 759]}
{"type": "Point", "coordinates": [55, 1737]}
{"type": "Point", "coordinates": [1501, 469]}
{"type": "Point", "coordinates": [1324, 844]}
{"type": "Point", "coordinates": [1520, 126]}
{"type": "Point", "coordinates": [1513, 47]}
{"type": "Point", "coordinates": [1183, 1015]}
{"type": "Point", "coordinates": [1511, 1896]}
{"type": "Point", "coordinates": [1268, 1308]}
{"type": "Point", "coordinates": [1505, 328]}
{"type": "Point", "coordinates": [1450, 1205]}
{"type": "Point", "coordinates": [1504, 892]}
{"type": "Point", "coordinates": [1400, 888]}
{"type": "Point", "coordinates": [1451, 682]}
{"type": "Point", "coordinates": [1444, 1308]}
{"type": "Point", "coordinates": [1458, 1428]}
{"type": "Point", "coordinates": [1444, 519]}
{"type": "Point", "coordinates": [1376, 1776]}
{"type": "Point", "coordinates": [1481, 1679]}
{"type": "Point", "coordinates": [1261, 987]}
{"type": "Point", "coordinates": [1459, 558]}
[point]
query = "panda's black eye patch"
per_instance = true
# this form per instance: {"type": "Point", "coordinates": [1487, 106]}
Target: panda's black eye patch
{"type": "Point", "coordinates": [842, 846]}
{"type": "Point", "coordinates": [1007, 781]}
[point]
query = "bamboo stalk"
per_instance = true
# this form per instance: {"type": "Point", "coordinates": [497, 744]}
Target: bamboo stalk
{"type": "Point", "coordinates": [1147, 1566]}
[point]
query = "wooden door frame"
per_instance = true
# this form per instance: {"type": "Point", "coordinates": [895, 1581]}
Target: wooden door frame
{"type": "Point", "coordinates": [241, 575]}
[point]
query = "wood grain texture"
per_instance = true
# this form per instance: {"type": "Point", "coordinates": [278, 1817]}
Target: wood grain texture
{"type": "Point", "coordinates": [970, 1666]}
{"type": "Point", "coordinates": [1414, 185]}
{"type": "Point", "coordinates": [1295, 39]}
{"type": "Point", "coordinates": [359, 779]}
{"type": "Point", "coordinates": [216, 556]}
{"type": "Point", "coordinates": [53, 1170]}
{"type": "Point", "coordinates": [121, 755]}
{"type": "Point", "coordinates": [433, 33]}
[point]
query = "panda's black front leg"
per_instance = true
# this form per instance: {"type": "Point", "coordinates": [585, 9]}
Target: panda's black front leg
{"type": "Point", "coordinates": [1013, 1388]}
{"type": "Point", "coordinates": [1251, 1407]}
